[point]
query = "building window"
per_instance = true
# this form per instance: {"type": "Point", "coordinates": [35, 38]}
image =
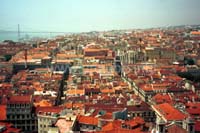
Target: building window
{"type": "Point", "coordinates": [191, 128]}
{"type": "Point", "coordinates": [22, 105]}
{"type": "Point", "coordinates": [133, 115]}
{"type": "Point", "coordinates": [11, 105]}
{"type": "Point", "coordinates": [144, 113]}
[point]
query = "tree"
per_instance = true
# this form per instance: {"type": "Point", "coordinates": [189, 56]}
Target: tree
{"type": "Point", "coordinates": [190, 62]}
{"type": "Point", "coordinates": [7, 57]}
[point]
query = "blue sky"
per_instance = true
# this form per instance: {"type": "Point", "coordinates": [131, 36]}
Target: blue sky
{"type": "Point", "coordinates": [90, 15]}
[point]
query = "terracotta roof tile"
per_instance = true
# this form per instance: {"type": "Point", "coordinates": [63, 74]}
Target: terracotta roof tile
{"type": "Point", "coordinates": [75, 92]}
{"type": "Point", "coordinates": [176, 129]}
{"type": "Point", "coordinates": [20, 99]}
{"type": "Point", "coordinates": [2, 112]}
{"type": "Point", "coordinates": [43, 103]}
{"type": "Point", "coordinates": [160, 98]}
{"type": "Point", "coordinates": [116, 124]}
{"type": "Point", "coordinates": [106, 116]}
{"type": "Point", "coordinates": [88, 120]}
{"type": "Point", "coordinates": [53, 109]}
{"type": "Point", "coordinates": [9, 128]}
{"type": "Point", "coordinates": [197, 126]}
{"type": "Point", "coordinates": [193, 108]}
{"type": "Point", "coordinates": [169, 112]}
{"type": "Point", "coordinates": [195, 33]}
{"type": "Point", "coordinates": [107, 90]}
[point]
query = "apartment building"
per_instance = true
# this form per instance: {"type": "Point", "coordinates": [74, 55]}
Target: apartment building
{"type": "Point", "coordinates": [21, 114]}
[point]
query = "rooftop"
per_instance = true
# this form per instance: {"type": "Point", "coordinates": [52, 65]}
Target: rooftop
{"type": "Point", "coordinates": [87, 120]}
{"type": "Point", "coordinates": [3, 112]}
{"type": "Point", "coordinates": [168, 112]}
{"type": "Point", "coordinates": [20, 99]}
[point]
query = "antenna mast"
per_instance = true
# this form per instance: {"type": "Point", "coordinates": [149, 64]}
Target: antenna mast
{"type": "Point", "coordinates": [18, 32]}
{"type": "Point", "coordinates": [25, 56]}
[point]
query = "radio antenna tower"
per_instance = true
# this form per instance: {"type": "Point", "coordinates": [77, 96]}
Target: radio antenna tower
{"type": "Point", "coordinates": [18, 32]}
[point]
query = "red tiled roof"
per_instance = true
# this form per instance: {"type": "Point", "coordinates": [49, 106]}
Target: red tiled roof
{"type": "Point", "coordinates": [186, 96]}
{"type": "Point", "coordinates": [9, 128]}
{"type": "Point", "coordinates": [135, 122]}
{"type": "Point", "coordinates": [176, 129]}
{"type": "Point", "coordinates": [53, 109]}
{"type": "Point", "coordinates": [78, 105]}
{"type": "Point", "coordinates": [107, 90]}
{"type": "Point", "coordinates": [4, 99]}
{"type": "Point", "coordinates": [76, 92]}
{"type": "Point", "coordinates": [120, 130]}
{"type": "Point", "coordinates": [2, 112]}
{"type": "Point", "coordinates": [193, 108]}
{"type": "Point", "coordinates": [20, 99]}
{"type": "Point", "coordinates": [155, 86]}
{"type": "Point", "coordinates": [88, 120]}
{"type": "Point", "coordinates": [116, 124]}
{"type": "Point", "coordinates": [174, 78]}
{"type": "Point", "coordinates": [107, 116]}
{"type": "Point", "coordinates": [108, 108]}
{"type": "Point", "coordinates": [68, 105]}
{"type": "Point", "coordinates": [159, 98]}
{"type": "Point", "coordinates": [169, 112]}
{"type": "Point", "coordinates": [139, 120]}
{"type": "Point", "coordinates": [195, 33]}
{"type": "Point", "coordinates": [197, 126]}
{"type": "Point", "coordinates": [43, 103]}
{"type": "Point", "coordinates": [131, 123]}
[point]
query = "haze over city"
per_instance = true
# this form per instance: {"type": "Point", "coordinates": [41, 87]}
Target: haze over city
{"type": "Point", "coordinates": [90, 15]}
{"type": "Point", "coordinates": [99, 66]}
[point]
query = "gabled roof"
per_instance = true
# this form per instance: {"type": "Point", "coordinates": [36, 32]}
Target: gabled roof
{"type": "Point", "coordinates": [116, 124]}
{"type": "Point", "coordinates": [87, 120]}
{"type": "Point", "coordinates": [175, 129]}
{"type": "Point", "coordinates": [160, 98]}
{"type": "Point", "coordinates": [168, 112]}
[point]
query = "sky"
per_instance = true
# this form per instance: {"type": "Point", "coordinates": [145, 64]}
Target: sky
{"type": "Point", "coordinates": [96, 15]}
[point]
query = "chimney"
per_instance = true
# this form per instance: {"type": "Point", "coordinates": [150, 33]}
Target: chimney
{"type": "Point", "coordinates": [25, 57]}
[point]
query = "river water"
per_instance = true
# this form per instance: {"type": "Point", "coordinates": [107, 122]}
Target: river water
{"type": "Point", "coordinates": [28, 35]}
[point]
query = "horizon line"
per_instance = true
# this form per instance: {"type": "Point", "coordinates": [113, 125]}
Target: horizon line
{"type": "Point", "coordinates": [170, 26]}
